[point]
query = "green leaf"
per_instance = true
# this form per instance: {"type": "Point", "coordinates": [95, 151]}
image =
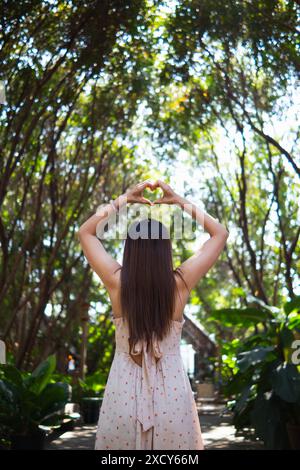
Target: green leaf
{"type": "Point", "coordinates": [242, 316]}
{"type": "Point", "coordinates": [53, 398]}
{"type": "Point", "coordinates": [7, 395]}
{"type": "Point", "coordinates": [286, 337]}
{"type": "Point", "coordinates": [241, 403]}
{"type": "Point", "coordinates": [41, 375]}
{"type": "Point", "coordinates": [285, 380]}
{"type": "Point", "coordinates": [294, 322]}
{"type": "Point", "coordinates": [267, 419]}
{"type": "Point", "coordinates": [12, 374]}
{"type": "Point", "coordinates": [267, 308]}
{"type": "Point", "coordinates": [256, 356]}
{"type": "Point", "coordinates": [292, 305]}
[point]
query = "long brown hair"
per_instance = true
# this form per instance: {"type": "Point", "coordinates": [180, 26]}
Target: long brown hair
{"type": "Point", "coordinates": [148, 284]}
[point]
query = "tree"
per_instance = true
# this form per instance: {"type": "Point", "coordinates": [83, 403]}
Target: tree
{"type": "Point", "coordinates": [74, 76]}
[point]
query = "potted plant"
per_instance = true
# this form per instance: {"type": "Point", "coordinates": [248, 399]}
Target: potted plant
{"type": "Point", "coordinates": [204, 380]}
{"type": "Point", "coordinates": [29, 401]}
{"type": "Point", "coordinates": [90, 409]}
{"type": "Point", "coordinates": [206, 389]}
{"type": "Point", "coordinates": [89, 394]}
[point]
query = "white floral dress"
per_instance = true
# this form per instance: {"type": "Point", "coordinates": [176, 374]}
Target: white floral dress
{"type": "Point", "coordinates": [150, 406]}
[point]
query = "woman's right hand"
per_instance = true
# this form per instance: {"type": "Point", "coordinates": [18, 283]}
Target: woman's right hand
{"type": "Point", "coordinates": [169, 196]}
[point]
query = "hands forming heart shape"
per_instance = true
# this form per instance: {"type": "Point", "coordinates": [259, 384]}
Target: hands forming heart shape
{"type": "Point", "coordinates": [135, 193]}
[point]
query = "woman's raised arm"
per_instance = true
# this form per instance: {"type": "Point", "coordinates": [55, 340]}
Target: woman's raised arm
{"type": "Point", "coordinates": [195, 267]}
{"type": "Point", "coordinates": [98, 258]}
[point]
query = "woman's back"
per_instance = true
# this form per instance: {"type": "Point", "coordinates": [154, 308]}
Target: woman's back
{"type": "Point", "coordinates": [181, 297]}
{"type": "Point", "coordinates": [148, 405]}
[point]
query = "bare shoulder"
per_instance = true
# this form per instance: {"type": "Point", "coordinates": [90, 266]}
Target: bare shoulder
{"type": "Point", "coordinates": [182, 286]}
{"type": "Point", "coordinates": [114, 294]}
{"type": "Point", "coordinates": [181, 297]}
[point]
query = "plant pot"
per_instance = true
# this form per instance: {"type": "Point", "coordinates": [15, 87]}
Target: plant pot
{"type": "Point", "coordinates": [293, 431]}
{"type": "Point", "coordinates": [205, 390]}
{"type": "Point", "coordinates": [90, 408]}
{"type": "Point", "coordinates": [34, 441]}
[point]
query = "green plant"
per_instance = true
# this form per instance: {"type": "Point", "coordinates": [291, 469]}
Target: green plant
{"type": "Point", "coordinates": [28, 400]}
{"type": "Point", "coordinates": [260, 376]}
{"type": "Point", "coordinates": [92, 386]}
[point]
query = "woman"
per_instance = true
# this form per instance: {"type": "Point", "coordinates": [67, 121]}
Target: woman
{"type": "Point", "coordinates": [148, 401]}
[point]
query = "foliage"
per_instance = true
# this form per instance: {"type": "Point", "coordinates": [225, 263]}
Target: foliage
{"type": "Point", "coordinates": [28, 400]}
{"type": "Point", "coordinates": [261, 375]}
{"type": "Point", "coordinates": [226, 92]}
{"type": "Point", "coordinates": [103, 93]}
{"type": "Point", "coordinates": [92, 386]}
{"type": "Point", "coordinates": [74, 74]}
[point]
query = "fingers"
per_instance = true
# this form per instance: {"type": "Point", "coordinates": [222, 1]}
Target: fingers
{"type": "Point", "coordinates": [164, 186]}
{"type": "Point", "coordinates": [146, 183]}
{"type": "Point", "coordinates": [144, 200]}
{"type": "Point", "coordinates": [155, 185]}
{"type": "Point", "coordinates": [141, 186]}
{"type": "Point", "coordinates": [151, 184]}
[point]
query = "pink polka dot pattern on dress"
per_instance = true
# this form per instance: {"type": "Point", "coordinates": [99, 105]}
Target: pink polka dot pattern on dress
{"type": "Point", "coordinates": [148, 407]}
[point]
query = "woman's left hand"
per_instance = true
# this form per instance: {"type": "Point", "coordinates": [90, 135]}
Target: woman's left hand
{"type": "Point", "coordinates": [135, 193]}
